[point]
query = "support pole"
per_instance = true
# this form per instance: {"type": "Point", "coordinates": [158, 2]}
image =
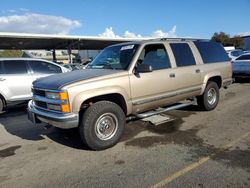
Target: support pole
{"type": "Point", "coordinates": [70, 54]}
{"type": "Point", "coordinates": [54, 55]}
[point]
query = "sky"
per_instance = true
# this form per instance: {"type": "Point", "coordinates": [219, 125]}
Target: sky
{"type": "Point", "coordinates": [130, 18]}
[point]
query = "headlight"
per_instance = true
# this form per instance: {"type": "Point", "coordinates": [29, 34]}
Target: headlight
{"type": "Point", "coordinates": [62, 96]}
{"type": "Point", "coordinates": [60, 108]}
{"type": "Point", "coordinates": [57, 96]}
{"type": "Point", "coordinates": [52, 95]}
{"type": "Point", "coordinates": [54, 107]}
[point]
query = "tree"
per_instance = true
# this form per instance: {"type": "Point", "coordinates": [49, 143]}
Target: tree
{"type": "Point", "coordinates": [11, 53]}
{"type": "Point", "coordinates": [237, 41]}
{"type": "Point", "coordinates": [226, 40]}
{"type": "Point", "coordinates": [221, 37]}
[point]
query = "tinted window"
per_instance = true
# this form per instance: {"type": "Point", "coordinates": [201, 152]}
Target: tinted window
{"type": "Point", "coordinates": [1, 68]}
{"type": "Point", "coordinates": [156, 56]}
{"type": "Point", "coordinates": [42, 67]}
{"type": "Point", "coordinates": [15, 67]}
{"type": "Point", "coordinates": [243, 57]}
{"type": "Point", "coordinates": [183, 54]}
{"type": "Point", "coordinates": [211, 52]}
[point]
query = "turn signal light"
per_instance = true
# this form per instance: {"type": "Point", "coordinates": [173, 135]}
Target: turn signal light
{"type": "Point", "coordinates": [63, 96]}
{"type": "Point", "coordinates": [65, 108]}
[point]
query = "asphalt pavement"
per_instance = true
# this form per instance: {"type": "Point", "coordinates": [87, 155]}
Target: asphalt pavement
{"type": "Point", "coordinates": [194, 149]}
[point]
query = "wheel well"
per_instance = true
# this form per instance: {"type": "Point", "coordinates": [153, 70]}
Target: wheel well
{"type": "Point", "coordinates": [217, 80]}
{"type": "Point", "coordinates": [4, 101]}
{"type": "Point", "coordinates": [115, 98]}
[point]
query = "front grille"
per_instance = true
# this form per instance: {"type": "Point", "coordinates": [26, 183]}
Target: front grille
{"type": "Point", "coordinates": [38, 92]}
{"type": "Point", "coordinates": [41, 101]}
{"type": "Point", "coordinates": [41, 104]}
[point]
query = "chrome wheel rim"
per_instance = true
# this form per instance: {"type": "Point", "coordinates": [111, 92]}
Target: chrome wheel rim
{"type": "Point", "coordinates": [106, 126]}
{"type": "Point", "coordinates": [211, 96]}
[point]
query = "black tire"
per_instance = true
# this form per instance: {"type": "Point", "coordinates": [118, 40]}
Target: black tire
{"type": "Point", "coordinates": [205, 101]}
{"type": "Point", "coordinates": [1, 104]}
{"type": "Point", "coordinates": [99, 117]}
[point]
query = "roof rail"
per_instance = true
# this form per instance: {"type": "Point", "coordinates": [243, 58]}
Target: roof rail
{"type": "Point", "coordinates": [184, 39]}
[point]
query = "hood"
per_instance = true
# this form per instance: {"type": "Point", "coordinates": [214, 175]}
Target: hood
{"type": "Point", "coordinates": [56, 82]}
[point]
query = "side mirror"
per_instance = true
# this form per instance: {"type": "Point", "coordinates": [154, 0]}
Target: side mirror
{"type": "Point", "coordinates": [143, 68]}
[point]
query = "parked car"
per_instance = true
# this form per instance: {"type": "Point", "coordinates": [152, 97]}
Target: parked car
{"type": "Point", "coordinates": [131, 80]}
{"type": "Point", "coordinates": [73, 66]}
{"type": "Point", "coordinates": [233, 54]}
{"type": "Point", "coordinates": [17, 75]}
{"type": "Point", "coordinates": [241, 66]}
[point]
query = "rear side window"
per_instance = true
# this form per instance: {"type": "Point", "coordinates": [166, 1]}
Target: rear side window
{"type": "Point", "coordinates": [243, 57]}
{"type": "Point", "coordinates": [156, 56]}
{"type": "Point", "coordinates": [183, 54]}
{"type": "Point", "coordinates": [211, 52]}
{"type": "Point", "coordinates": [15, 67]}
{"type": "Point", "coordinates": [1, 68]}
{"type": "Point", "coordinates": [41, 67]}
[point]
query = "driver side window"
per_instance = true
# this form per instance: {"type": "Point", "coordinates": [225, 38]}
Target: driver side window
{"type": "Point", "coordinates": [156, 56]}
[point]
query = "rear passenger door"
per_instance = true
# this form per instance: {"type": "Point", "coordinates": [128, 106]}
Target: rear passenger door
{"type": "Point", "coordinates": [187, 75]}
{"type": "Point", "coordinates": [42, 68]}
{"type": "Point", "coordinates": [16, 80]}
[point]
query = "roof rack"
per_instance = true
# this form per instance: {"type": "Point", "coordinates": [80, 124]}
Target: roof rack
{"type": "Point", "coordinates": [183, 39]}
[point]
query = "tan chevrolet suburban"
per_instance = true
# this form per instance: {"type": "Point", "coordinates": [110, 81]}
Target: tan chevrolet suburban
{"type": "Point", "coordinates": [136, 79]}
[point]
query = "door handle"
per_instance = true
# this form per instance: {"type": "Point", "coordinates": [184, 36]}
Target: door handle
{"type": "Point", "coordinates": [2, 79]}
{"type": "Point", "coordinates": [197, 70]}
{"type": "Point", "coordinates": [172, 75]}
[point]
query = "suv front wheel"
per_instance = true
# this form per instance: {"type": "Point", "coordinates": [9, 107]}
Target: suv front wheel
{"type": "Point", "coordinates": [102, 125]}
{"type": "Point", "coordinates": [210, 98]}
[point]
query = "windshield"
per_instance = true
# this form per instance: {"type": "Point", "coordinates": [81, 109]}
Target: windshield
{"type": "Point", "coordinates": [237, 53]}
{"type": "Point", "coordinates": [114, 57]}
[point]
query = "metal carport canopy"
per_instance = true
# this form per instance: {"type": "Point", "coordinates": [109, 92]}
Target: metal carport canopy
{"type": "Point", "coordinates": [27, 41]}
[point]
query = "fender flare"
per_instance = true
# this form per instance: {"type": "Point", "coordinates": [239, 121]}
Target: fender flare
{"type": "Point", "coordinates": [85, 95]}
{"type": "Point", "coordinates": [207, 77]}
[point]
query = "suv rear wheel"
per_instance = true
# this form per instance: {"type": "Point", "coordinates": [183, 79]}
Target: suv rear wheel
{"type": "Point", "coordinates": [210, 98]}
{"type": "Point", "coordinates": [102, 125]}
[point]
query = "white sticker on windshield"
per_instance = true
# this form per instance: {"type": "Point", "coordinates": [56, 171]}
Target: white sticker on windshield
{"type": "Point", "coordinates": [129, 47]}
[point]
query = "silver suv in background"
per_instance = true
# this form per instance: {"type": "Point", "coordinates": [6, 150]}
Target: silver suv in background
{"type": "Point", "coordinates": [17, 75]}
{"type": "Point", "coordinates": [233, 54]}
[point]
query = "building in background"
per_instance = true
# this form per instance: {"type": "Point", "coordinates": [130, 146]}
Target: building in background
{"type": "Point", "coordinates": [246, 39]}
{"type": "Point", "coordinates": [246, 42]}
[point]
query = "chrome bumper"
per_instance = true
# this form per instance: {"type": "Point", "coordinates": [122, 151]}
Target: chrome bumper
{"type": "Point", "coordinates": [64, 121]}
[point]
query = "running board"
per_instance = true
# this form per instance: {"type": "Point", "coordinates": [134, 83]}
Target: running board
{"type": "Point", "coordinates": [162, 110]}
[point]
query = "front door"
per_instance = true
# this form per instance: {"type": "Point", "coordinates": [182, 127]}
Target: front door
{"type": "Point", "coordinates": [152, 88]}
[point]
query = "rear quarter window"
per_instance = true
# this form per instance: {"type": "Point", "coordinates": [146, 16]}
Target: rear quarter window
{"type": "Point", "coordinates": [211, 52]}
